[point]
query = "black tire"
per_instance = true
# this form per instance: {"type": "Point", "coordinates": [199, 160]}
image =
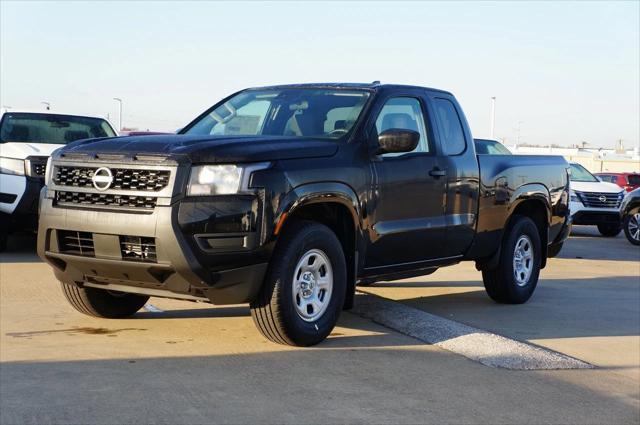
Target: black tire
{"type": "Point", "coordinates": [500, 283]}
{"type": "Point", "coordinates": [274, 311]}
{"type": "Point", "coordinates": [554, 250]}
{"type": "Point", "coordinates": [609, 230]}
{"type": "Point", "coordinates": [101, 303]}
{"type": "Point", "coordinates": [630, 225]}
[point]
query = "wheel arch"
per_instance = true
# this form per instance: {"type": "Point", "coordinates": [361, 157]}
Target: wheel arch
{"type": "Point", "coordinates": [533, 201]}
{"type": "Point", "coordinates": [336, 206]}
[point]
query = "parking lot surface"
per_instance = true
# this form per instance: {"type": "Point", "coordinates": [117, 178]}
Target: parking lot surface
{"type": "Point", "coordinates": [181, 362]}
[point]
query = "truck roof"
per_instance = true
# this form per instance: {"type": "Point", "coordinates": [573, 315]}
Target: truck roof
{"type": "Point", "coordinates": [366, 86]}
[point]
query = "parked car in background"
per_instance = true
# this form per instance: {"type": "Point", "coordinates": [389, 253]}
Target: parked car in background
{"type": "Point", "coordinates": [490, 147]}
{"type": "Point", "coordinates": [630, 216]}
{"type": "Point", "coordinates": [26, 141]}
{"type": "Point", "coordinates": [627, 181]}
{"type": "Point", "coordinates": [594, 202]}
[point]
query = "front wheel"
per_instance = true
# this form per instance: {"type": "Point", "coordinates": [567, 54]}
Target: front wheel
{"type": "Point", "coordinates": [304, 290]}
{"type": "Point", "coordinates": [631, 225]}
{"type": "Point", "coordinates": [516, 276]}
{"type": "Point", "coordinates": [609, 230]}
{"type": "Point", "coordinates": [102, 303]}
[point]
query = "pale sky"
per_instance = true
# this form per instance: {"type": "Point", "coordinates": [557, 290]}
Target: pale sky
{"type": "Point", "coordinates": [568, 71]}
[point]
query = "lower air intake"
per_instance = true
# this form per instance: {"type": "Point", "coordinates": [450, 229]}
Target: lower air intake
{"type": "Point", "coordinates": [137, 248]}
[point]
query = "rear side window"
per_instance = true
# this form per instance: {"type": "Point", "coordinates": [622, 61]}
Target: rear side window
{"type": "Point", "coordinates": [633, 179]}
{"type": "Point", "coordinates": [451, 132]}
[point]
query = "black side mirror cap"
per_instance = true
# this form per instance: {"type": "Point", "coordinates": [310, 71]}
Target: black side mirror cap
{"type": "Point", "coordinates": [396, 140]}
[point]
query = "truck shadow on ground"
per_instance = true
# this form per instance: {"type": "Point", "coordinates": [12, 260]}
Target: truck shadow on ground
{"type": "Point", "coordinates": [373, 385]}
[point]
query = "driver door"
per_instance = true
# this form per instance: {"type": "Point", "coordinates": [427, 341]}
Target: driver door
{"type": "Point", "coordinates": [409, 197]}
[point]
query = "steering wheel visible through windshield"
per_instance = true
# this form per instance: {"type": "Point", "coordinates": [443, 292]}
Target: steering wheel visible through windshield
{"type": "Point", "coordinates": [294, 112]}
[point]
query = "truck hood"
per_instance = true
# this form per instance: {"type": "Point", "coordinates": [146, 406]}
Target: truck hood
{"type": "Point", "coordinates": [603, 187]}
{"type": "Point", "coordinates": [207, 149]}
{"type": "Point", "coordinates": [20, 150]}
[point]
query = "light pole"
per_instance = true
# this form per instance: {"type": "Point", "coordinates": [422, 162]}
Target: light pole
{"type": "Point", "coordinates": [493, 117]}
{"type": "Point", "coordinates": [117, 99]}
{"type": "Point", "coordinates": [518, 134]}
{"type": "Point", "coordinates": [47, 105]}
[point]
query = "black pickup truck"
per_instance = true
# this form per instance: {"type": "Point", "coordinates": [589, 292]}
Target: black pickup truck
{"type": "Point", "coordinates": [287, 197]}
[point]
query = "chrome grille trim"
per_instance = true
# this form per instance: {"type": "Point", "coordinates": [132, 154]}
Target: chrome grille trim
{"type": "Point", "coordinates": [148, 180]}
{"type": "Point", "coordinates": [86, 186]}
{"type": "Point", "coordinates": [592, 199]}
{"type": "Point", "coordinates": [136, 187]}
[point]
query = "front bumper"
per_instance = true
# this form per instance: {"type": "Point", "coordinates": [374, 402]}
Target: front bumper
{"type": "Point", "coordinates": [582, 215]}
{"type": "Point", "coordinates": [207, 248]}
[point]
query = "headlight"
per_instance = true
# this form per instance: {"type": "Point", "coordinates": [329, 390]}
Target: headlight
{"type": "Point", "coordinates": [221, 179]}
{"type": "Point", "coordinates": [12, 166]}
{"type": "Point", "coordinates": [575, 197]}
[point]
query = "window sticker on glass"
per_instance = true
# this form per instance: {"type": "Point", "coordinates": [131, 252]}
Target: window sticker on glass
{"type": "Point", "coordinates": [242, 124]}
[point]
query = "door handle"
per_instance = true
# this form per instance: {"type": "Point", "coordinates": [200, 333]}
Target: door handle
{"type": "Point", "coordinates": [437, 173]}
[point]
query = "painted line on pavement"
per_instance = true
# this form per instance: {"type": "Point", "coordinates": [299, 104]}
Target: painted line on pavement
{"type": "Point", "coordinates": [152, 308]}
{"type": "Point", "coordinates": [476, 344]}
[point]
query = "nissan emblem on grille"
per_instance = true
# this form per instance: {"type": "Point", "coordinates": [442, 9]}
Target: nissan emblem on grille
{"type": "Point", "coordinates": [102, 178]}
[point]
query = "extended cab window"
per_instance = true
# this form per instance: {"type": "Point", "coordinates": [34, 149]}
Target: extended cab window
{"type": "Point", "coordinates": [29, 127]}
{"type": "Point", "coordinates": [451, 132]}
{"type": "Point", "coordinates": [403, 113]}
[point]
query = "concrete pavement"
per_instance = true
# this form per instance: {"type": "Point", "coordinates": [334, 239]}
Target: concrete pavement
{"type": "Point", "coordinates": [193, 363]}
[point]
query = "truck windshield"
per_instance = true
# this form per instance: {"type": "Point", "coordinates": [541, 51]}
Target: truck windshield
{"type": "Point", "coordinates": [299, 112]}
{"type": "Point", "coordinates": [490, 147]}
{"type": "Point", "coordinates": [28, 127]}
{"type": "Point", "coordinates": [580, 174]}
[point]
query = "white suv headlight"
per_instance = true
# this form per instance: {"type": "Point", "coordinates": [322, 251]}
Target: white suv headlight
{"type": "Point", "coordinates": [12, 166]}
{"type": "Point", "coordinates": [575, 197]}
{"type": "Point", "coordinates": [206, 180]}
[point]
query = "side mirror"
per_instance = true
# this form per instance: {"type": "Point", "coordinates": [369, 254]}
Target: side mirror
{"type": "Point", "coordinates": [395, 140]}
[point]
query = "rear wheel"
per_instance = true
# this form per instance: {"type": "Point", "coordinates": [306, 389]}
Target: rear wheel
{"type": "Point", "coordinates": [304, 290]}
{"type": "Point", "coordinates": [631, 225]}
{"type": "Point", "coordinates": [609, 230]}
{"type": "Point", "coordinates": [3, 240]}
{"type": "Point", "coordinates": [101, 303]}
{"type": "Point", "coordinates": [516, 276]}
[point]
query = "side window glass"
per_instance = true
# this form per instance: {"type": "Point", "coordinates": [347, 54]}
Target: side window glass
{"type": "Point", "coordinates": [451, 132]}
{"type": "Point", "coordinates": [403, 113]}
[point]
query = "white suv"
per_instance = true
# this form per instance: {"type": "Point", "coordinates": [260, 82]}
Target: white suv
{"type": "Point", "coordinates": [27, 139]}
{"type": "Point", "coordinates": [594, 202]}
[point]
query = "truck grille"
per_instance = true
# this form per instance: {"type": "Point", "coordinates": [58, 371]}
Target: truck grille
{"type": "Point", "coordinates": [76, 243]}
{"type": "Point", "coordinates": [601, 200]}
{"type": "Point", "coordinates": [103, 199]}
{"type": "Point", "coordinates": [136, 248]}
{"type": "Point", "coordinates": [123, 179]}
